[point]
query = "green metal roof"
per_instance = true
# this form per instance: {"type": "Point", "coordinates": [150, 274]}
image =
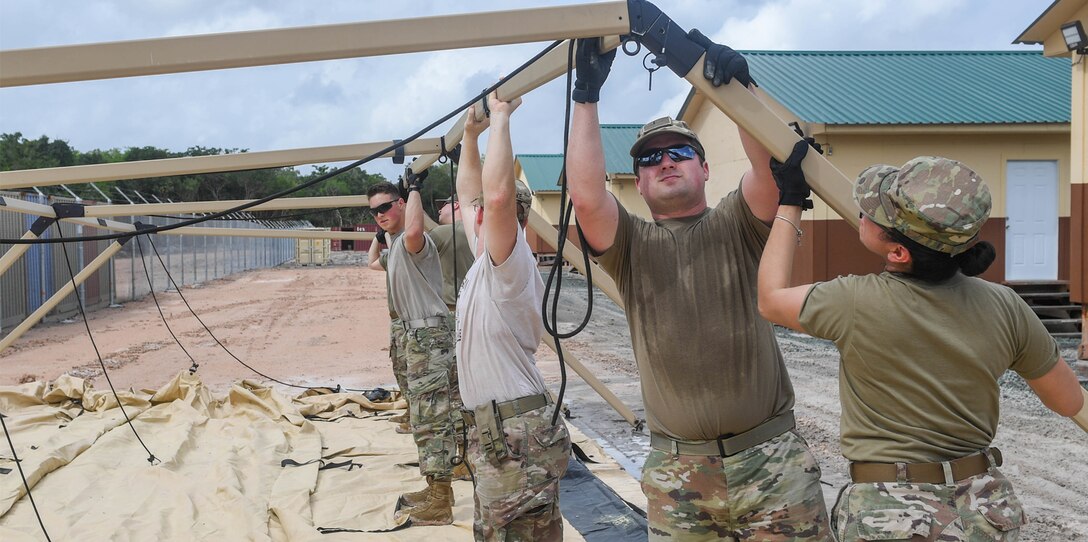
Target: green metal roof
{"type": "Point", "coordinates": [542, 170]}
{"type": "Point", "coordinates": [916, 87]}
{"type": "Point", "coordinates": [617, 140]}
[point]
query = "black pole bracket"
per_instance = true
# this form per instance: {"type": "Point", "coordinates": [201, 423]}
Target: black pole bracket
{"type": "Point", "coordinates": [653, 29]}
{"type": "Point", "coordinates": [398, 152]}
{"type": "Point", "coordinates": [41, 224]}
{"type": "Point", "coordinates": [68, 210]}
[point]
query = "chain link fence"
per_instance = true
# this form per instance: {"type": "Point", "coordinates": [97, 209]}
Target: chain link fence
{"type": "Point", "coordinates": [190, 259]}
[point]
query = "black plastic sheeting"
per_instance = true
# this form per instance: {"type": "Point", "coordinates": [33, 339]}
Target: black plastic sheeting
{"type": "Point", "coordinates": [598, 513]}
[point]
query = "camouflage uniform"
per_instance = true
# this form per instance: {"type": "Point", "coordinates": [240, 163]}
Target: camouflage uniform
{"type": "Point", "coordinates": [982, 507]}
{"type": "Point", "coordinates": [396, 354]}
{"type": "Point", "coordinates": [767, 492]}
{"type": "Point", "coordinates": [517, 498]}
{"type": "Point", "coordinates": [433, 400]}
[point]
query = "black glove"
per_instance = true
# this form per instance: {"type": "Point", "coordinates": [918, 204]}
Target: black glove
{"type": "Point", "coordinates": [722, 64]}
{"type": "Point", "coordinates": [380, 236]}
{"type": "Point", "coordinates": [792, 188]}
{"type": "Point", "coordinates": [590, 70]}
{"type": "Point", "coordinates": [415, 180]}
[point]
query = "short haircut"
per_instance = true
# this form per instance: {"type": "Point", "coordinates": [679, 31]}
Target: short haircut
{"type": "Point", "coordinates": [383, 188]}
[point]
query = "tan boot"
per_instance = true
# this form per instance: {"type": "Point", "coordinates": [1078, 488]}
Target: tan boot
{"type": "Point", "coordinates": [438, 510]}
{"type": "Point", "coordinates": [416, 498]}
{"type": "Point", "coordinates": [461, 472]}
{"type": "Point", "coordinates": [400, 418]}
{"type": "Point", "coordinates": [403, 429]}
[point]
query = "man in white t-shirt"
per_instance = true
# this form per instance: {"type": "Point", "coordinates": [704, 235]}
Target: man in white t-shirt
{"type": "Point", "coordinates": [517, 453]}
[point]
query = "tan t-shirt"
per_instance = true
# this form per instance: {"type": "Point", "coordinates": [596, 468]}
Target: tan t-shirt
{"type": "Point", "coordinates": [415, 280]}
{"type": "Point", "coordinates": [708, 362]}
{"type": "Point", "coordinates": [499, 328]}
{"type": "Point", "coordinates": [384, 261]}
{"type": "Point", "coordinates": [455, 264]}
{"type": "Point", "coordinates": [920, 362]}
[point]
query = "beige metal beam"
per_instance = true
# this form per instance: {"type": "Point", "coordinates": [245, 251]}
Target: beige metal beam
{"type": "Point", "coordinates": [305, 44]}
{"type": "Point", "coordinates": [548, 67]}
{"type": "Point", "coordinates": [598, 386]}
{"type": "Point", "coordinates": [37, 209]}
{"type": "Point", "coordinates": [549, 234]}
{"type": "Point", "coordinates": [62, 292]}
{"type": "Point", "coordinates": [203, 164]}
{"type": "Point", "coordinates": [282, 204]}
{"type": "Point", "coordinates": [14, 253]}
{"type": "Point", "coordinates": [751, 114]}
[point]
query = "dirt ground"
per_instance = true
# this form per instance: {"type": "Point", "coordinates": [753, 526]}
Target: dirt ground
{"type": "Point", "coordinates": [329, 325]}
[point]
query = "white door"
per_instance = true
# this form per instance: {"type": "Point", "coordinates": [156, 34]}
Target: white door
{"type": "Point", "coordinates": [1031, 236]}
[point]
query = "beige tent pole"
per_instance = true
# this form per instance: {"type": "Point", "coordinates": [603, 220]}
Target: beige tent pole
{"type": "Point", "coordinates": [596, 384]}
{"type": "Point", "coordinates": [306, 44]}
{"type": "Point", "coordinates": [14, 253]}
{"type": "Point", "coordinates": [62, 292]}
{"type": "Point", "coordinates": [146, 169]}
{"type": "Point", "coordinates": [549, 234]}
{"type": "Point", "coordinates": [548, 67]}
{"type": "Point", "coordinates": [190, 207]}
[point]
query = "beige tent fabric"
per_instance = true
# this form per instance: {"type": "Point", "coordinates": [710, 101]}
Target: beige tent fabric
{"type": "Point", "coordinates": [252, 465]}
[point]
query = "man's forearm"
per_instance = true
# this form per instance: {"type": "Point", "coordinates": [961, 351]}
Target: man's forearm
{"type": "Point", "coordinates": [469, 172]}
{"type": "Point", "coordinates": [414, 222]}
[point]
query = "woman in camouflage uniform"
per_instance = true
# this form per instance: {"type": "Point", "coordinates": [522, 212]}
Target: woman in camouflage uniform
{"type": "Point", "coordinates": [919, 377]}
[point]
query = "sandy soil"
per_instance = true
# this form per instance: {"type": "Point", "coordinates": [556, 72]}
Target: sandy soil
{"type": "Point", "coordinates": [329, 325]}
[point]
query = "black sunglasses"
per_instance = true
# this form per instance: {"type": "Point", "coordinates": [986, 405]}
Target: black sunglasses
{"type": "Point", "coordinates": [383, 208]}
{"type": "Point", "coordinates": [677, 153]}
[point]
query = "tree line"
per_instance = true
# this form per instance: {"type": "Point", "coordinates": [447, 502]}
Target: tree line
{"type": "Point", "coordinates": [18, 152]}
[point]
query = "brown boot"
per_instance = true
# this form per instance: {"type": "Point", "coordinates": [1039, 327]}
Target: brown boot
{"type": "Point", "coordinates": [461, 472]}
{"type": "Point", "coordinates": [416, 498]}
{"type": "Point", "coordinates": [438, 510]}
{"type": "Point", "coordinates": [403, 429]}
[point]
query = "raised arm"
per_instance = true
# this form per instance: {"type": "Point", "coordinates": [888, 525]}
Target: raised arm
{"type": "Point", "coordinates": [757, 186]}
{"type": "Point", "coordinates": [414, 223]}
{"type": "Point", "coordinates": [374, 255]}
{"type": "Point", "coordinates": [597, 210]}
{"type": "Point", "coordinates": [1060, 392]}
{"type": "Point", "coordinates": [778, 302]}
{"type": "Point", "coordinates": [500, 224]}
{"type": "Point", "coordinates": [469, 183]}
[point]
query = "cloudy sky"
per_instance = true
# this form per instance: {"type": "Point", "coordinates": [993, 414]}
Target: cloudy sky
{"type": "Point", "coordinates": [378, 99]}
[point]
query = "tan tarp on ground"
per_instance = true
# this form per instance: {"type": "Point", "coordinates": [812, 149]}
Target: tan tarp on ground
{"type": "Point", "coordinates": [220, 473]}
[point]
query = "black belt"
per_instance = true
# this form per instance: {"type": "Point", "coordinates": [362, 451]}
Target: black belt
{"type": "Point", "coordinates": [509, 409]}
{"type": "Point", "coordinates": [726, 446]}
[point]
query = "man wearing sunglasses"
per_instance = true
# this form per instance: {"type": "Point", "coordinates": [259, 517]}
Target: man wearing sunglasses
{"type": "Point", "coordinates": [421, 347]}
{"type": "Point", "coordinates": [726, 462]}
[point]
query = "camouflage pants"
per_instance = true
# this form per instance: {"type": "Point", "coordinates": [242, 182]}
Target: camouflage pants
{"type": "Point", "coordinates": [982, 507]}
{"type": "Point", "coordinates": [433, 397]}
{"type": "Point", "coordinates": [517, 498]}
{"type": "Point", "coordinates": [767, 492]}
{"type": "Point", "coordinates": [396, 354]}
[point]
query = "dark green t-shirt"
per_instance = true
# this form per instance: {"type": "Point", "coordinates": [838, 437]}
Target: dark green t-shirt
{"type": "Point", "coordinates": [920, 362]}
{"type": "Point", "coordinates": [455, 265]}
{"type": "Point", "coordinates": [708, 362]}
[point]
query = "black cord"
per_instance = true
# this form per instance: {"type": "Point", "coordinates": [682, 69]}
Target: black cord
{"type": "Point", "coordinates": [551, 324]}
{"type": "Point", "coordinates": [305, 185]}
{"type": "Point", "coordinates": [453, 216]}
{"type": "Point", "coordinates": [151, 287]}
{"type": "Point", "coordinates": [75, 291]}
{"type": "Point", "coordinates": [216, 339]}
{"type": "Point", "coordinates": [26, 485]}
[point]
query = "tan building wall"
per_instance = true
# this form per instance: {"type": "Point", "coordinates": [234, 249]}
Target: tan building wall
{"type": "Point", "coordinates": [625, 189]}
{"type": "Point", "coordinates": [832, 248]}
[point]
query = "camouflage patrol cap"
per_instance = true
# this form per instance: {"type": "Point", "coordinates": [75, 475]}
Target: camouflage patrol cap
{"type": "Point", "coordinates": [939, 203]}
{"type": "Point", "coordinates": [665, 125]}
{"type": "Point", "coordinates": [522, 194]}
